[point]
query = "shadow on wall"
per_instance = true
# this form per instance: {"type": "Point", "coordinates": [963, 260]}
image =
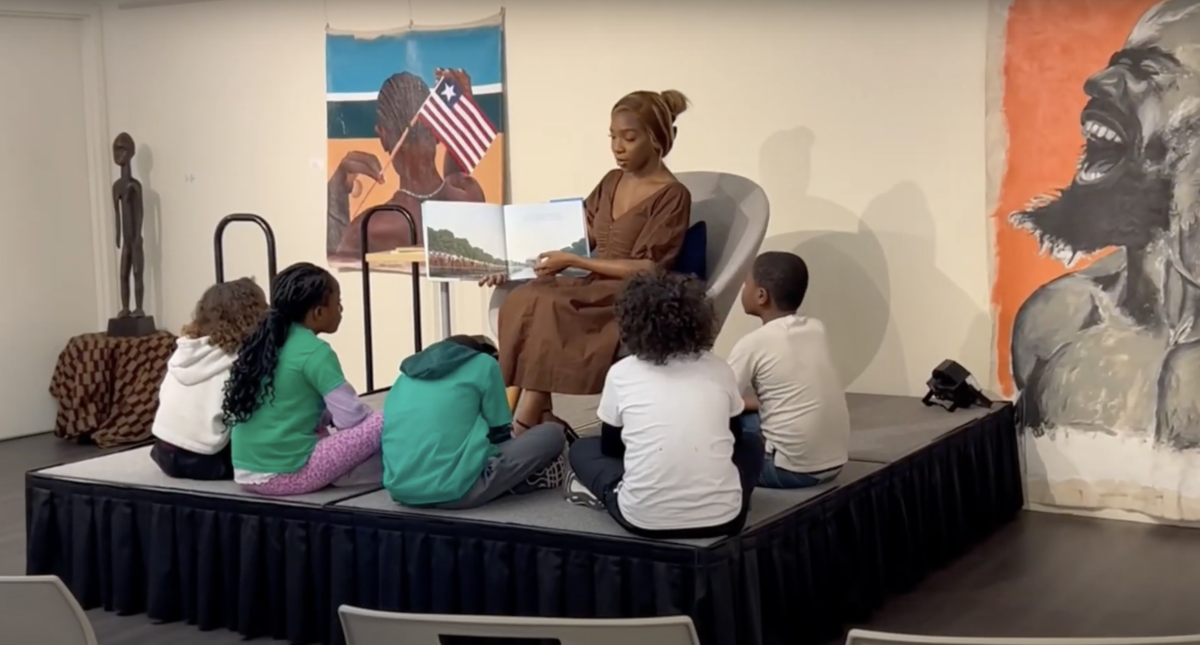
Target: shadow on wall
{"type": "Point", "coordinates": [860, 267]}
{"type": "Point", "coordinates": [936, 318]}
{"type": "Point", "coordinates": [152, 232]}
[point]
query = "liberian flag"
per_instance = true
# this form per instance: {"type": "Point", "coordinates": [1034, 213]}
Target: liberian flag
{"type": "Point", "coordinates": [458, 123]}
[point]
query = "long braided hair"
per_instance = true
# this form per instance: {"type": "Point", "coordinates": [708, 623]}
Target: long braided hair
{"type": "Point", "coordinates": [297, 290]}
{"type": "Point", "coordinates": [400, 98]}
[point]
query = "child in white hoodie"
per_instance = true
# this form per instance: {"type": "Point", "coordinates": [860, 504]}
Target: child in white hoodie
{"type": "Point", "coordinates": [191, 440]}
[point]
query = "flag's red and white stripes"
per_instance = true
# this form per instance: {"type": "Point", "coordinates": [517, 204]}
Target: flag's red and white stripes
{"type": "Point", "coordinates": [459, 124]}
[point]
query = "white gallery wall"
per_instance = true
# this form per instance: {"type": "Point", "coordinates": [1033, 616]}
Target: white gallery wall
{"type": "Point", "coordinates": [50, 181]}
{"type": "Point", "coordinates": [862, 119]}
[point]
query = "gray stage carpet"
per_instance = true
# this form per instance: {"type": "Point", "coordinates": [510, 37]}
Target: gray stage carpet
{"type": "Point", "coordinates": [885, 429]}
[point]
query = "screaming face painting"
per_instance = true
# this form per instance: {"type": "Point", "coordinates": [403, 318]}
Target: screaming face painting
{"type": "Point", "coordinates": [1104, 351]}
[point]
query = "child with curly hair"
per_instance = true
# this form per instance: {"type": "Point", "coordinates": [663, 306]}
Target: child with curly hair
{"type": "Point", "coordinates": [191, 439]}
{"type": "Point", "coordinates": [287, 387]}
{"type": "Point", "coordinates": [671, 461]}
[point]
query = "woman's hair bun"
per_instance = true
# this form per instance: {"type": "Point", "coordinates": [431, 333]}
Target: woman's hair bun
{"type": "Point", "coordinates": [676, 102]}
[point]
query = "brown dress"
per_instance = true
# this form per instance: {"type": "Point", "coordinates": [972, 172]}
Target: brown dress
{"type": "Point", "coordinates": [559, 334]}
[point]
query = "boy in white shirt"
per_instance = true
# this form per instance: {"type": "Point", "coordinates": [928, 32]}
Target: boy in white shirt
{"type": "Point", "coordinates": [672, 461]}
{"type": "Point", "coordinates": [787, 374]}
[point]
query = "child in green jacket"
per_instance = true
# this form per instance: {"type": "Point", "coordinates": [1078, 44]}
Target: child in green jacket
{"type": "Point", "coordinates": [447, 431]}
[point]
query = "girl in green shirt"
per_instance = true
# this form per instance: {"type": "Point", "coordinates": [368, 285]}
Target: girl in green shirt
{"type": "Point", "coordinates": [286, 389]}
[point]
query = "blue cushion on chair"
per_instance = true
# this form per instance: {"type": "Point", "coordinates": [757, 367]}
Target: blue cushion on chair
{"type": "Point", "coordinates": [691, 258]}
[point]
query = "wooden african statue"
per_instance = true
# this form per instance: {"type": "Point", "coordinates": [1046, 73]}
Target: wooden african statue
{"type": "Point", "coordinates": [129, 209]}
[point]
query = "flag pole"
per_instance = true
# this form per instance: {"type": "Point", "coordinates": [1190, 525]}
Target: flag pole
{"type": "Point", "coordinates": [390, 158]}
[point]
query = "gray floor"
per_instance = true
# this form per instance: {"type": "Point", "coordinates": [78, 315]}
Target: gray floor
{"type": "Point", "coordinates": [1044, 575]}
{"type": "Point", "coordinates": [39, 451]}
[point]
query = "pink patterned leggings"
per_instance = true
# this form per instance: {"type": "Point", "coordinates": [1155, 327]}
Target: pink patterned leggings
{"type": "Point", "coordinates": [334, 456]}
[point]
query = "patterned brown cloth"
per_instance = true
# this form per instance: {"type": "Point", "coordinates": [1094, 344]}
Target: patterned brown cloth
{"type": "Point", "coordinates": [107, 388]}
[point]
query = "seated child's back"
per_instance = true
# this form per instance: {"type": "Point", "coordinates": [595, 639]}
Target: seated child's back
{"type": "Point", "coordinates": [674, 420]}
{"type": "Point", "coordinates": [802, 406]}
{"type": "Point", "coordinates": [282, 432]}
{"type": "Point", "coordinates": [286, 390]}
{"type": "Point", "coordinates": [788, 365]}
{"type": "Point", "coordinates": [437, 420]}
{"type": "Point", "coordinates": [192, 440]}
{"type": "Point", "coordinates": [672, 460]}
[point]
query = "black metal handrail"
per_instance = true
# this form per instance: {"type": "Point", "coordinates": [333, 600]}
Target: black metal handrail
{"type": "Point", "coordinates": [219, 244]}
{"type": "Point", "coordinates": [368, 341]}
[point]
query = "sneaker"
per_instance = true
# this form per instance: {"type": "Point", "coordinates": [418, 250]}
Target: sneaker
{"type": "Point", "coordinates": [579, 495]}
{"type": "Point", "coordinates": [550, 477]}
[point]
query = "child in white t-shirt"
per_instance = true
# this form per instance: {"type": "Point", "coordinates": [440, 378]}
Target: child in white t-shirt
{"type": "Point", "coordinates": [672, 461]}
{"type": "Point", "coordinates": [794, 396]}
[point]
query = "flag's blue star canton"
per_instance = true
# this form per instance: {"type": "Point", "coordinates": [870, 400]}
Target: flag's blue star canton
{"type": "Point", "coordinates": [449, 91]}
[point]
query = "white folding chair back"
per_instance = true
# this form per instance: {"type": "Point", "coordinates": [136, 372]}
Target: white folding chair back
{"type": "Point", "coordinates": [367, 627]}
{"type": "Point", "coordinates": [39, 610]}
{"type": "Point", "coordinates": [867, 637]}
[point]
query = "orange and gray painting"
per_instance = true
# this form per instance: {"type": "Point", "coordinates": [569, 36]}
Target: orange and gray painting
{"type": "Point", "coordinates": [1096, 290]}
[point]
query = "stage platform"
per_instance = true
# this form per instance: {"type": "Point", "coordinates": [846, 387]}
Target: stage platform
{"type": "Point", "coordinates": [923, 485]}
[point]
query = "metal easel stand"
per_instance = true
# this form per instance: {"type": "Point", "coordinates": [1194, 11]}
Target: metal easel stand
{"type": "Point", "coordinates": [219, 244]}
{"type": "Point", "coordinates": [368, 341]}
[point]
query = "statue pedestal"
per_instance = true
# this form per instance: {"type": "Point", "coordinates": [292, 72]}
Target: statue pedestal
{"type": "Point", "coordinates": [131, 326]}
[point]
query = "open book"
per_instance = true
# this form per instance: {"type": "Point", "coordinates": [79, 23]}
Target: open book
{"type": "Point", "coordinates": [469, 240]}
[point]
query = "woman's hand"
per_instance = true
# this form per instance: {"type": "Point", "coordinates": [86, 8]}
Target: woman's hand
{"type": "Point", "coordinates": [356, 164]}
{"type": "Point", "coordinates": [458, 75]}
{"type": "Point", "coordinates": [554, 262]}
{"type": "Point", "coordinates": [494, 280]}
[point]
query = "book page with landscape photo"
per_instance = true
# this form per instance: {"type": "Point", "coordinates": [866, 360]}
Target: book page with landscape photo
{"type": "Point", "coordinates": [464, 240]}
{"type": "Point", "coordinates": [533, 229]}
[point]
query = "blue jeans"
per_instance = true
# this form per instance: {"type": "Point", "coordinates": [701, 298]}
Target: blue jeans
{"type": "Point", "coordinates": [775, 477]}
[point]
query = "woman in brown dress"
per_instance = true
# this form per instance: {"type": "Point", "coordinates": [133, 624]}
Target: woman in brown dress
{"type": "Point", "coordinates": [559, 334]}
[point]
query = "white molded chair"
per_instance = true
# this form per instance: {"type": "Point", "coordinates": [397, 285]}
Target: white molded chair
{"type": "Point", "coordinates": [736, 213]}
{"type": "Point", "coordinates": [867, 637]}
{"type": "Point", "coordinates": [368, 627]}
{"type": "Point", "coordinates": [39, 610]}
